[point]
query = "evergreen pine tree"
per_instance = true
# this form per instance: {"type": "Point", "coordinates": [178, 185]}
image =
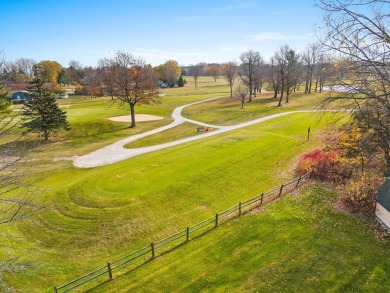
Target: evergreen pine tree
{"type": "Point", "coordinates": [180, 82]}
{"type": "Point", "coordinates": [41, 113]}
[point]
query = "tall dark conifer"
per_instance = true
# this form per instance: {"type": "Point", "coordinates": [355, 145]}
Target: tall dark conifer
{"type": "Point", "coordinates": [41, 113]}
{"type": "Point", "coordinates": [180, 82]}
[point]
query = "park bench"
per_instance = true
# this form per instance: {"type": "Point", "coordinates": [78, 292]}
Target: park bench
{"type": "Point", "coordinates": [200, 129]}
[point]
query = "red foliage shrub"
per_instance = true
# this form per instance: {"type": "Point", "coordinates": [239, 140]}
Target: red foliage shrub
{"type": "Point", "coordinates": [318, 161]}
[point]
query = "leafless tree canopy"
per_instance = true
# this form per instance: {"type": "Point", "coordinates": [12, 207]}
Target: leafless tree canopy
{"type": "Point", "coordinates": [250, 70]}
{"type": "Point", "coordinates": [196, 71]}
{"type": "Point", "coordinates": [310, 58]}
{"type": "Point", "coordinates": [229, 71]}
{"type": "Point", "coordinates": [357, 32]}
{"type": "Point", "coordinates": [241, 92]}
{"type": "Point", "coordinates": [285, 68]}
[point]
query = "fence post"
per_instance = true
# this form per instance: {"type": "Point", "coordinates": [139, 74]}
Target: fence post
{"type": "Point", "coordinates": [109, 271]}
{"type": "Point", "coordinates": [281, 189]}
{"type": "Point", "coordinates": [239, 208]}
{"type": "Point", "coordinates": [152, 247]}
{"type": "Point", "coordinates": [188, 234]}
{"type": "Point", "coordinates": [299, 179]}
{"type": "Point", "coordinates": [55, 289]}
{"type": "Point", "coordinates": [216, 220]}
{"type": "Point", "coordinates": [262, 196]}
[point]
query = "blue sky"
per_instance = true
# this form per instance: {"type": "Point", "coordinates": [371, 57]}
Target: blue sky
{"type": "Point", "coordinates": [186, 31]}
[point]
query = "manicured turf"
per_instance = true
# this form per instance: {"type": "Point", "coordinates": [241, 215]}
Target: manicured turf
{"type": "Point", "coordinates": [299, 244]}
{"type": "Point", "coordinates": [227, 111]}
{"type": "Point", "coordinates": [97, 215]}
{"type": "Point", "coordinates": [181, 131]}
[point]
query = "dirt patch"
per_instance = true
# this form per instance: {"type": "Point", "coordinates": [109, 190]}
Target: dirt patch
{"type": "Point", "coordinates": [138, 118]}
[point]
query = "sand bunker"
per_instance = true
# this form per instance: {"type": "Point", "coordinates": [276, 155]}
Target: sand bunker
{"type": "Point", "coordinates": [138, 118]}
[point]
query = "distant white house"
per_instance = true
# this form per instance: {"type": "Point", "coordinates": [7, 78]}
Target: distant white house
{"type": "Point", "coordinates": [62, 96]}
{"type": "Point", "coordinates": [382, 208]}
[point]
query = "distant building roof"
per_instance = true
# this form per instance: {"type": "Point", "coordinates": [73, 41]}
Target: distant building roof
{"type": "Point", "coordinates": [383, 195]}
{"type": "Point", "coordinates": [19, 95]}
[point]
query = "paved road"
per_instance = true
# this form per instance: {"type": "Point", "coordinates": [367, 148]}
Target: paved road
{"type": "Point", "coordinates": [116, 152]}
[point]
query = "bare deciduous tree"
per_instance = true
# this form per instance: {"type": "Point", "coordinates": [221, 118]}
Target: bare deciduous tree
{"type": "Point", "coordinates": [241, 93]}
{"type": "Point", "coordinates": [280, 60]}
{"type": "Point", "coordinates": [229, 71]}
{"type": "Point", "coordinates": [250, 62]}
{"type": "Point", "coordinates": [274, 75]}
{"type": "Point", "coordinates": [196, 71]}
{"type": "Point", "coordinates": [259, 76]}
{"type": "Point", "coordinates": [287, 62]}
{"type": "Point", "coordinates": [291, 72]}
{"type": "Point", "coordinates": [310, 59]}
{"type": "Point", "coordinates": [360, 38]}
{"type": "Point", "coordinates": [106, 75]}
{"type": "Point", "coordinates": [323, 70]}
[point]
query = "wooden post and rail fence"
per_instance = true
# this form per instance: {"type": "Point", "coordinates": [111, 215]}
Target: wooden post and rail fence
{"type": "Point", "coordinates": [106, 272]}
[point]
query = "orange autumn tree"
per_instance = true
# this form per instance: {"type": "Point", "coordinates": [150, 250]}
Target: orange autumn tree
{"type": "Point", "coordinates": [134, 83]}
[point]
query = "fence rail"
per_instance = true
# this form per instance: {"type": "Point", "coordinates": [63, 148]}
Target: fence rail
{"type": "Point", "coordinates": [212, 222]}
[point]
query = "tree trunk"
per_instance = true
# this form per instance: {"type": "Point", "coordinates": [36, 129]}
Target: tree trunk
{"type": "Point", "coordinates": [275, 94]}
{"type": "Point", "coordinates": [250, 91]}
{"type": "Point", "coordinates": [280, 101]}
{"type": "Point", "coordinates": [46, 134]}
{"type": "Point", "coordinates": [310, 81]}
{"type": "Point", "coordinates": [281, 96]}
{"type": "Point", "coordinates": [132, 115]}
{"type": "Point", "coordinates": [287, 89]}
{"type": "Point", "coordinates": [231, 91]}
{"type": "Point", "coordinates": [242, 103]}
{"type": "Point", "coordinates": [307, 83]}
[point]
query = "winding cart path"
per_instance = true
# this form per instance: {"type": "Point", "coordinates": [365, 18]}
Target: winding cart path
{"type": "Point", "coordinates": [116, 152]}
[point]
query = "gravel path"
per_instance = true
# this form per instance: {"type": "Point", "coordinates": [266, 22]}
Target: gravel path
{"type": "Point", "coordinates": [116, 152]}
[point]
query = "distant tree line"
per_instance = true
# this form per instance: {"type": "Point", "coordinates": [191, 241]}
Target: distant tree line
{"type": "Point", "coordinates": [286, 71]}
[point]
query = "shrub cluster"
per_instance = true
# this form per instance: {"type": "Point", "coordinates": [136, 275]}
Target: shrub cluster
{"type": "Point", "coordinates": [321, 162]}
{"type": "Point", "coordinates": [358, 193]}
{"type": "Point", "coordinates": [352, 164]}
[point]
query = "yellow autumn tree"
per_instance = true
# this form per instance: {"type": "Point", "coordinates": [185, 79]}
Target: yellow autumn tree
{"type": "Point", "coordinates": [51, 69]}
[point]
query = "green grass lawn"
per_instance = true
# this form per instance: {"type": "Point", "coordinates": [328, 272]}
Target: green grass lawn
{"type": "Point", "coordinates": [179, 132]}
{"type": "Point", "coordinates": [299, 244]}
{"type": "Point", "coordinates": [97, 215]}
{"type": "Point", "coordinates": [92, 130]}
{"type": "Point", "coordinates": [227, 111]}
